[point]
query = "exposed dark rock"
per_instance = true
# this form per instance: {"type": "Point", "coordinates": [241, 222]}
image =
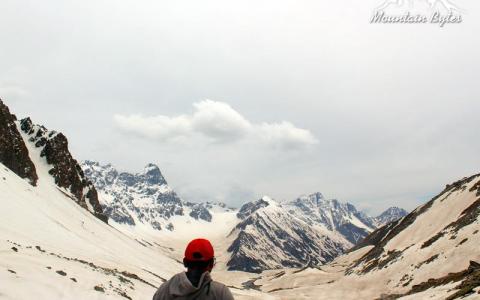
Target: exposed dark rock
{"type": "Point", "coordinates": [60, 272]}
{"type": "Point", "coordinates": [476, 187]}
{"type": "Point", "coordinates": [99, 289]}
{"type": "Point", "coordinates": [200, 212]}
{"type": "Point", "coordinates": [250, 285]}
{"type": "Point", "coordinates": [376, 237]}
{"type": "Point", "coordinates": [431, 259]}
{"type": "Point", "coordinates": [250, 207]}
{"type": "Point", "coordinates": [152, 175]}
{"type": "Point", "coordinates": [380, 263]}
{"type": "Point", "coordinates": [467, 217]}
{"type": "Point", "coordinates": [352, 233]}
{"type": "Point", "coordinates": [127, 179]}
{"type": "Point", "coordinates": [13, 152]}
{"type": "Point", "coordinates": [65, 169]}
{"type": "Point", "coordinates": [15, 249]}
{"type": "Point", "coordinates": [470, 279]}
{"type": "Point", "coordinates": [119, 214]}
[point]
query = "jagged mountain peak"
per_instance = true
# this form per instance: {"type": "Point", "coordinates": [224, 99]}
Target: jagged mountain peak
{"type": "Point", "coordinates": [102, 174]}
{"type": "Point", "coordinates": [390, 215]}
{"type": "Point", "coordinates": [271, 237]}
{"type": "Point", "coordinates": [143, 197]}
{"type": "Point", "coordinates": [153, 175]}
{"type": "Point", "coordinates": [333, 215]}
{"type": "Point", "coordinates": [251, 207]}
{"type": "Point", "coordinates": [312, 200]}
{"type": "Point", "coordinates": [395, 209]}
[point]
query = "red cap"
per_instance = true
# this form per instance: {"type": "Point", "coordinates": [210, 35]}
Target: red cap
{"type": "Point", "coordinates": [199, 250]}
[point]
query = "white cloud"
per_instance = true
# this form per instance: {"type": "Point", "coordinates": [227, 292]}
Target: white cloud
{"type": "Point", "coordinates": [159, 127]}
{"type": "Point", "coordinates": [218, 122]}
{"type": "Point", "coordinates": [285, 135]}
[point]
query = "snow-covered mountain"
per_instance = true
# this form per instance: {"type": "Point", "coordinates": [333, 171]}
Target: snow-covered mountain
{"type": "Point", "coordinates": [336, 216]}
{"type": "Point", "coordinates": [143, 198]}
{"type": "Point", "coordinates": [390, 215]}
{"type": "Point", "coordinates": [432, 253]}
{"type": "Point", "coordinates": [309, 230]}
{"type": "Point", "coordinates": [269, 237]}
{"type": "Point", "coordinates": [146, 199]}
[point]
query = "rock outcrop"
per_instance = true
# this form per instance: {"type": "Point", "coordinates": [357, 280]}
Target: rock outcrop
{"type": "Point", "coordinates": [17, 137]}
{"type": "Point", "coordinates": [64, 168]}
{"type": "Point", "coordinates": [13, 152]}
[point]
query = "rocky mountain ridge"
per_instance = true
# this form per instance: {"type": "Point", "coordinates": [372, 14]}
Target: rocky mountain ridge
{"type": "Point", "coordinates": [334, 215]}
{"type": "Point", "coordinates": [142, 198]}
{"type": "Point", "coordinates": [23, 143]}
{"type": "Point", "coordinates": [390, 215]}
{"type": "Point", "coordinates": [309, 230]}
{"type": "Point", "coordinates": [270, 237]}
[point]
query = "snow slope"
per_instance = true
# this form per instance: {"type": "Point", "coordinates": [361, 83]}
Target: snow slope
{"type": "Point", "coordinates": [431, 253]}
{"type": "Point", "coordinates": [58, 250]}
{"type": "Point", "coordinates": [38, 219]}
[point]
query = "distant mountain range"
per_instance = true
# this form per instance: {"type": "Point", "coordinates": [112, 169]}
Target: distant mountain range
{"type": "Point", "coordinates": [143, 198]}
{"type": "Point", "coordinates": [309, 230]}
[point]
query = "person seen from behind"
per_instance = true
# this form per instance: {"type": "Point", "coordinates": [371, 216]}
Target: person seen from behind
{"type": "Point", "coordinates": [196, 283]}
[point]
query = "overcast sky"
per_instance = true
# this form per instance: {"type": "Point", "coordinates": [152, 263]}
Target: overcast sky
{"type": "Point", "coordinates": [239, 99]}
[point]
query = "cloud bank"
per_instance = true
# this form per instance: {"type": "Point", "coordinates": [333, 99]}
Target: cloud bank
{"type": "Point", "coordinates": [218, 122]}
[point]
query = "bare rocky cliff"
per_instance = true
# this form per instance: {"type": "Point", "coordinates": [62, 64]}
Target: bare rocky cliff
{"type": "Point", "coordinates": [13, 152]}
{"type": "Point", "coordinates": [15, 139]}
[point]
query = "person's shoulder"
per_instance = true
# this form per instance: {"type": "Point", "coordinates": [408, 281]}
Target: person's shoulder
{"type": "Point", "coordinates": [173, 280]}
{"type": "Point", "coordinates": [164, 290]}
{"type": "Point", "coordinates": [222, 290]}
{"type": "Point", "coordinates": [218, 284]}
{"type": "Point", "coordinates": [179, 275]}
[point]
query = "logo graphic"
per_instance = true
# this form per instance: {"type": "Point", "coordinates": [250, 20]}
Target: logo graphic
{"type": "Point", "coordinates": [440, 12]}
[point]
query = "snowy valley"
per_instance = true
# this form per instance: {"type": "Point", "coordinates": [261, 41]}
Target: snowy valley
{"type": "Point", "coordinates": [87, 230]}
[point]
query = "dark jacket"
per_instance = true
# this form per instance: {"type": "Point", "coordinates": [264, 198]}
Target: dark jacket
{"type": "Point", "coordinates": [179, 287]}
